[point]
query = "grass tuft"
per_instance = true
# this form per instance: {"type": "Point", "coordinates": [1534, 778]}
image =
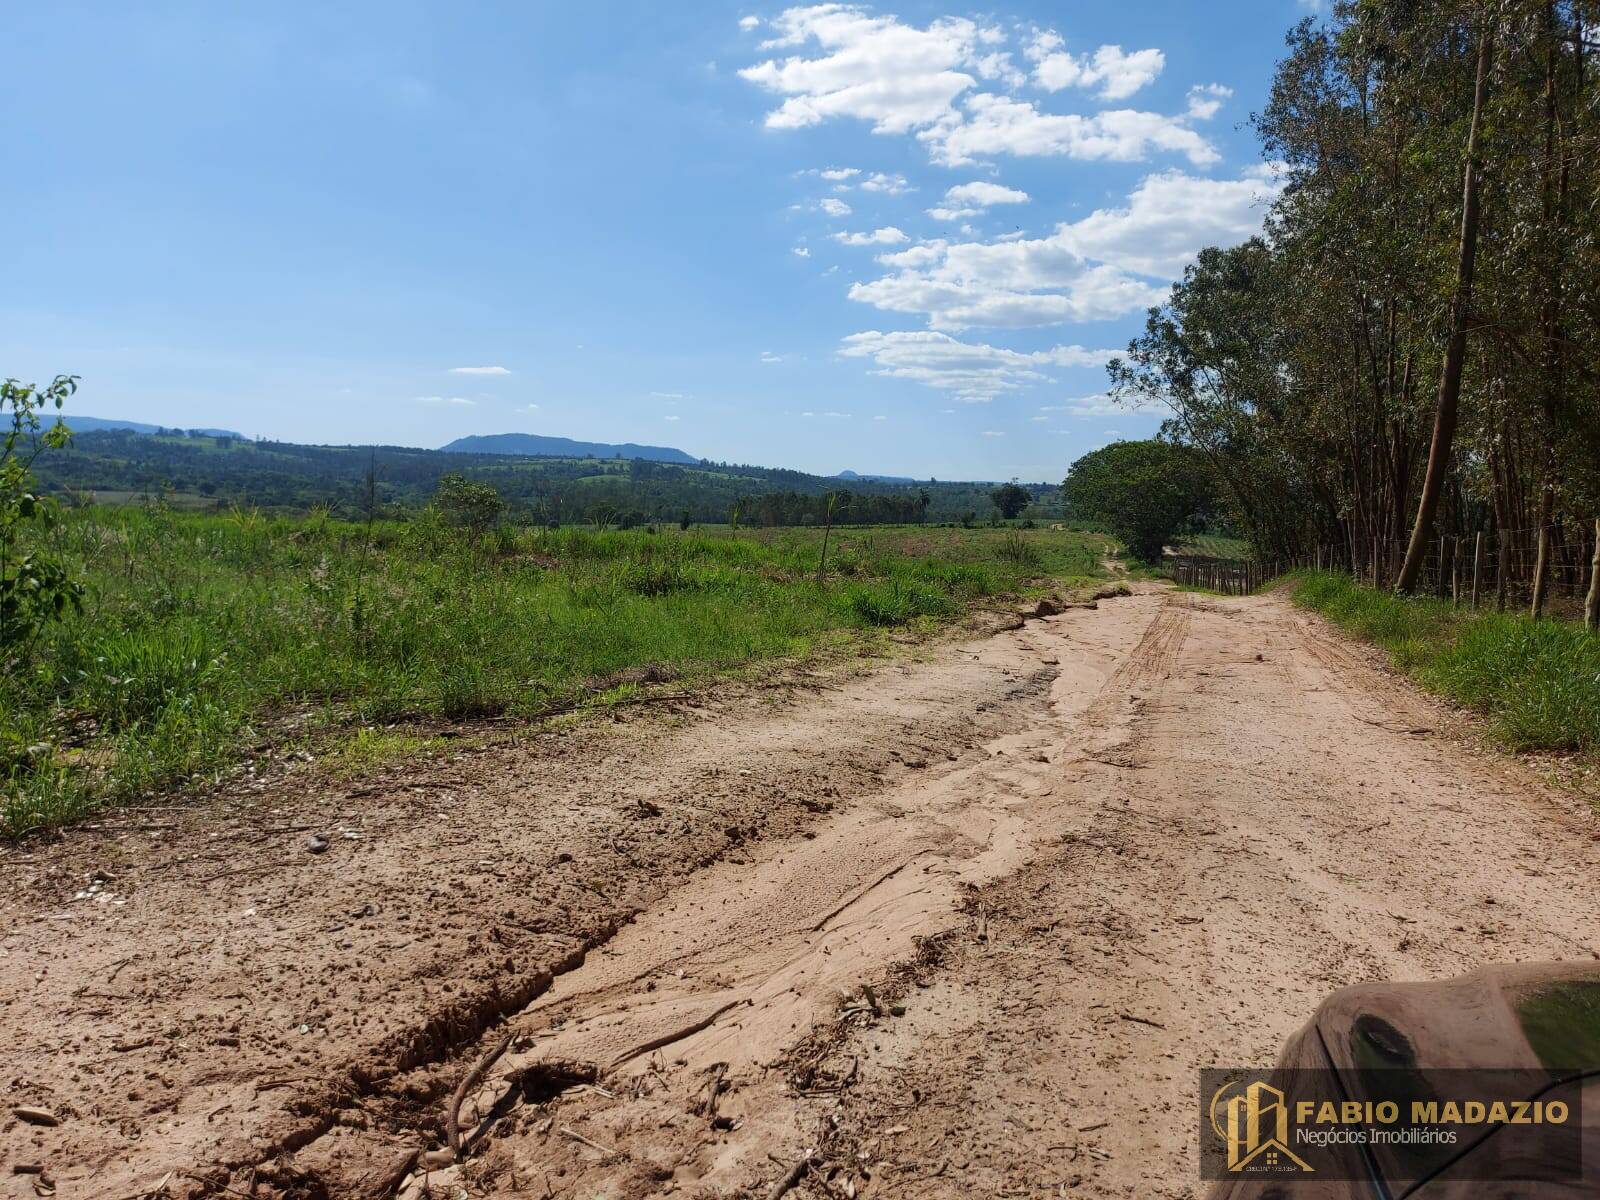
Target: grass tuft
{"type": "Point", "coordinates": [1538, 682]}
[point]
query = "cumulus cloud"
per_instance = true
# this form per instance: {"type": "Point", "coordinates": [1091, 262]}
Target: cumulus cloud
{"type": "Point", "coordinates": [749, 23]}
{"type": "Point", "coordinates": [802, 252]}
{"type": "Point", "coordinates": [479, 371]}
{"type": "Point", "coordinates": [1085, 270]}
{"type": "Point", "coordinates": [1116, 73]}
{"type": "Point", "coordinates": [975, 372]}
{"type": "Point", "coordinates": [1018, 283]}
{"type": "Point", "coordinates": [1169, 217]}
{"type": "Point", "coordinates": [836, 174]}
{"type": "Point", "coordinates": [887, 236]}
{"type": "Point", "coordinates": [982, 194]}
{"type": "Point", "coordinates": [929, 81]}
{"type": "Point", "coordinates": [970, 199]}
{"type": "Point", "coordinates": [1205, 99]}
{"type": "Point", "coordinates": [889, 185]}
{"type": "Point", "coordinates": [874, 68]}
{"type": "Point", "coordinates": [1003, 125]}
{"type": "Point", "coordinates": [835, 208]}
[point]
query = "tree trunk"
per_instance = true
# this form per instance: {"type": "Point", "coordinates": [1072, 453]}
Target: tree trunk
{"type": "Point", "coordinates": [1477, 568]}
{"type": "Point", "coordinates": [1444, 419]}
{"type": "Point", "coordinates": [1591, 606]}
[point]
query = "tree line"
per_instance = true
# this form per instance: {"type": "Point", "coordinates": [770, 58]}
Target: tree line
{"type": "Point", "coordinates": [289, 477]}
{"type": "Point", "coordinates": [1404, 360]}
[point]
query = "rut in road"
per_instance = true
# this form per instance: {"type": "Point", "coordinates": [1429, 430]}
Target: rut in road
{"type": "Point", "coordinates": [1076, 861]}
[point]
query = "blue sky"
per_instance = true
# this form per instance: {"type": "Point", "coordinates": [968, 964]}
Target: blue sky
{"type": "Point", "coordinates": [725, 227]}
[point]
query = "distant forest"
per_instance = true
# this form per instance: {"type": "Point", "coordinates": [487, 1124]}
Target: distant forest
{"type": "Point", "coordinates": [119, 466]}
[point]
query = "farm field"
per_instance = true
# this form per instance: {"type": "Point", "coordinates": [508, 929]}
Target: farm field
{"type": "Point", "coordinates": [205, 634]}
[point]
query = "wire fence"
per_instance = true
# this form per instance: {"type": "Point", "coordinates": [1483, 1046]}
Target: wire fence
{"type": "Point", "coordinates": [1553, 570]}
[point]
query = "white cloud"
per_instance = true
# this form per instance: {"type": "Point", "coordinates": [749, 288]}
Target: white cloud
{"type": "Point", "coordinates": [1205, 99]}
{"type": "Point", "coordinates": [874, 68]}
{"type": "Point", "coordinates": [1169, 217]}
{"type": "Point", "coordinates": [668, 395]}
{"type": "Point", "coordinates": [880, 418]}
{"type": "Point", "coordinates": [888, 185]}
{"type": "Point", "coordinates": [461, 401]}
{"type": "Point", "coordinates": [1115, 72]}
{"type": "Point", "coordinates": [802, 252]}
{"type": "Point", "coordinates": [845, 178]}
{"type": "Point", "coordinates": [887, 236]}
{"type": "Point", "coordinates": [993, 433]}
{"type": "Point", "coordinates": [749, 23]}
{"type": "Point", "coordinates": [767, 356]}
{"type": "Point", "coordinates": [479, 371]}
{"type": "Point", "coordinates": [970, 199]}
{"type": "Point", "coordinates": [1017, 284]}
{"type": "Point", "coordinates": [1002, 125]}
{"type": "Point", "coordinates": [835, 208]}
{"type": "Point", "coordinates": [982, 194]}
{"type": "Point", "coordinates": [670, 417]}
{"type": "Point", "coordinates": [973, 371]}
{"type": "Point", "coordinates": [925, 81]}
{"type": "Point", "coordinates": [1085, 270]}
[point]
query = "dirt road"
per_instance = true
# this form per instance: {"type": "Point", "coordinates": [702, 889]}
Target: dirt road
{"type": "Point", "coordinates": [1073, 862]}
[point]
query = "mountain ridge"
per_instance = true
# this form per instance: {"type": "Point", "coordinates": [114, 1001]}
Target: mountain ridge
{"type": "Point", "coordinates": [535, 444]}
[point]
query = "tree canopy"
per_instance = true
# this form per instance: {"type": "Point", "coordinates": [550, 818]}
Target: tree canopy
{"type": "Point", "coordinates": [1142, 492]}
{"type": "Point", "coordinates": [1425, 290]}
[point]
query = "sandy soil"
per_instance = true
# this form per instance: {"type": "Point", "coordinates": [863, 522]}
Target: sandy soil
{"type": "Point", "coordinates": [1072, 863]}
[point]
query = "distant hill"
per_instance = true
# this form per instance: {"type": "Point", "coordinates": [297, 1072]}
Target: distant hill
{"type": "Point", "coordinates": [82, 424]}
{"type": "Point", "coordinates": [119, 466]}
{"type": "Point", "coordinates": [533, 444]}
{"type": "Point", "coordinates": [877, 478]}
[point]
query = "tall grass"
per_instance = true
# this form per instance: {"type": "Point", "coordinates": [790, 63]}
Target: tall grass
{"type": "Point", "coordinates": [1538, 682]}
{"type": "Point", "coordinates": [205, 631]}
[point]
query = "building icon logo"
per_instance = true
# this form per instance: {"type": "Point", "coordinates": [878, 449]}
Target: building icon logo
{"type": "Point", "coordinates": [1254, 1126]}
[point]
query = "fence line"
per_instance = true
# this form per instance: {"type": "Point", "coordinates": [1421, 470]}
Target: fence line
{"type": "Point", "coordinates": [1478, 569]}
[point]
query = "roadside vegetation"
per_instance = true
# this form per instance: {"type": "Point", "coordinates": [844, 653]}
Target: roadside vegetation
{"type": "Point", "coordinates": [1146, 493]}
{"type": "Point", "coordinates": [200, 634]}
{"type": "Point", "coordinates": [1537, 681]}
{"type": "Point", "coordinates": [1398, 375]}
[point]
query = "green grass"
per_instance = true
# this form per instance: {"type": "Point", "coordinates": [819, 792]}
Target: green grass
{"type": "Point", "coordinates": [205, 633]}
{"type": "Point", "coordinates": [1537, 682]}
{"type": "Point", "coordinates": [1212, 545]}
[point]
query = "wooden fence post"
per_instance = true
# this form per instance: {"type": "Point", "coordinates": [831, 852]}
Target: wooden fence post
{"type": "Point", "coordinates": [1501, 566]}
{"type": "Point", "coordinates": [1440, 582]}
{"type": "Point", "coordinates": [1541, 568]}
{"type": "Point", "coordinates": [1591, 605]}
{"type": "Point", "coordinates": [1477, 568]}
